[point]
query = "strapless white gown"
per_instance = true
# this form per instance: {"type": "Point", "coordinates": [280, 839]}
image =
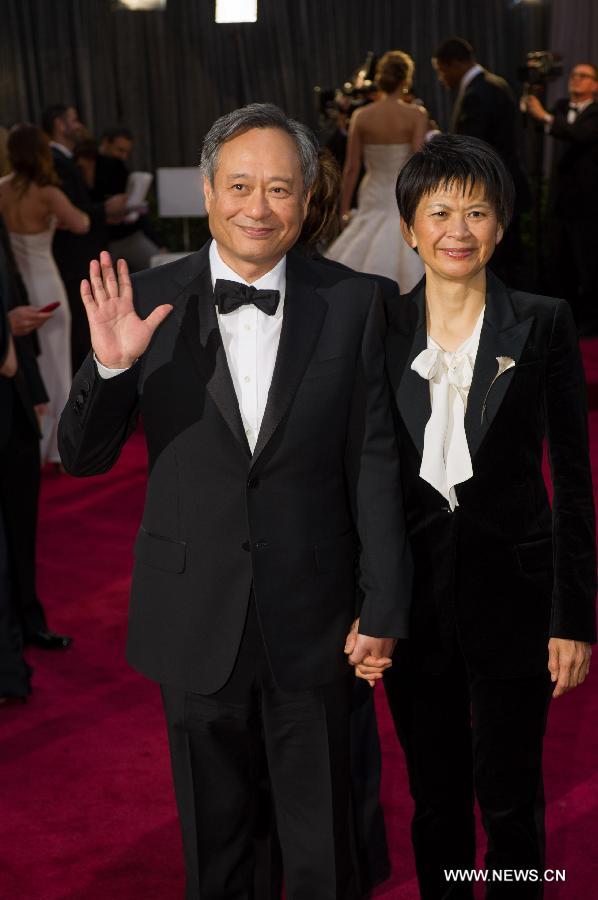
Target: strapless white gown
{"type": "Point", "coordinates": [372, 241]}
{"type": "Point", "coordinates": [33, 255]}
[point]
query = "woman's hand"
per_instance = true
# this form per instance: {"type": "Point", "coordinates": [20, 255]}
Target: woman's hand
{"type": "Point", "coordinates": [370, 656]}
{"type": "Point", "coordinates": [118, 336]}
{"type": "Point", "coordinates": [25, 319]}
{"type": "Point", "coordinates": [568, 663]}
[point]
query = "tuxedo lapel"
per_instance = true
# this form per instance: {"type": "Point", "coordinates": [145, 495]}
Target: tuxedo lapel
{"type": "Point", "coordinates": [502, 335]}
{"type": "Point", "coordinates": [303, 317]}
{"type": "Point", "coordinates": [405, 341]}
{"type": "Point", "coordinates": [199, 327]}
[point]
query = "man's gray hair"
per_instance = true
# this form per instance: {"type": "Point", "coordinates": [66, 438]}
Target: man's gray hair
{"type": "Point", "coordinates": [260, 115]}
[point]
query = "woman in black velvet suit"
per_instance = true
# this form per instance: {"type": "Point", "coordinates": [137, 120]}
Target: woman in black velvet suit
{"type": "Point", "coordinates": [503, 607]}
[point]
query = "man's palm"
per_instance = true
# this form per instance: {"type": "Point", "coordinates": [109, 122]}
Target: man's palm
{"type": "Point", "coordinates": [118, 335]}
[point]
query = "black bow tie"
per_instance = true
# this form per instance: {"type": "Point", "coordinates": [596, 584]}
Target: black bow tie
{"type": "Point", "coordinates": [230, 295]}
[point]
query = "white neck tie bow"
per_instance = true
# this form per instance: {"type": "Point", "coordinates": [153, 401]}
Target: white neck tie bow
{"type": "Point", "coordinates": [446, 460]}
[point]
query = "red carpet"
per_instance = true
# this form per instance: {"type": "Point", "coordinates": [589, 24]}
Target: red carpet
{"type": "Point", "coordinates": [86, 803]}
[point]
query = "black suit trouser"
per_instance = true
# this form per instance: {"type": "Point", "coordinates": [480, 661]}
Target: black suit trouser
{"type": "Point", "coordinates": [467, 735]}
{"type": "Point", "coordinates": [19, 495]}
{"type": "Point", "coordinates": [216, 746]}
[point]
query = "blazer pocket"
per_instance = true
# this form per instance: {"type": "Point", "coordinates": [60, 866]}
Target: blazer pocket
{"type": "Point", "coordinates": [325, 367]}
{"type": "Point", "coordinates": [336, 552]}
{"type": "Point", "coordinates": [160, 552]}
{"type": "Point", "coordinates": [536, 557]}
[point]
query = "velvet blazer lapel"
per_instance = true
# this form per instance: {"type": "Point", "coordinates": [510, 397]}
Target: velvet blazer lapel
{"type": "Point", "coordinates": [304, 314]}
{"type": "Point", "coordinates": [502, 335]}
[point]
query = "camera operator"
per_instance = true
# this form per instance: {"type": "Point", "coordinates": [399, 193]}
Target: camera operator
{"type": "Point", "coordinates": [573, 229]}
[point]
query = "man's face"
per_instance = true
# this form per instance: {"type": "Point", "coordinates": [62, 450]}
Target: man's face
{"type": "Point", "coordinates": [583, 84]}
{"type": "Point", "coordinates": [120, 148]}
{"type": "Point", "coordinates": [449, 73]}
{"type": "Point", "coordinates": [69, 127]}
{"type": "Point", "coordinates": [256, 206]}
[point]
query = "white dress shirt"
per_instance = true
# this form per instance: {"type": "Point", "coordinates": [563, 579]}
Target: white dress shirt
{"type": "Point", "coordinates": [446, 460]}
{"type": "Point", "coordinates": [250, 339]}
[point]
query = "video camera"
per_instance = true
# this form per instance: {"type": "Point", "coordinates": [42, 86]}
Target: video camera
{"type": "Point", "coordinates": [541, 67]}
{"type": "Point", "coordinates": [352, 94]}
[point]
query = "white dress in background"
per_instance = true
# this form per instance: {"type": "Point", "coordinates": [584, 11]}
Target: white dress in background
{"type": "Point", "coordinates": [33, 255]}
{"type": "Point", "coordinates": [372, 241]}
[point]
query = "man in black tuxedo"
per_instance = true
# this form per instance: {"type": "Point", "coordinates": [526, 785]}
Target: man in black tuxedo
{"type": "Point", "coordinates": [72, 252]}
{"type": "Point", "coordinates": [260, 378]}
{"type": "Point", "coordinates": [485, 108]}
{"type": "Point", "coordinates": [573, 231]}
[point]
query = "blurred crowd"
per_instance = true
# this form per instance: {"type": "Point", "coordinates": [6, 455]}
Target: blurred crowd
{"type": "Point", "coordinates": [63, 198]}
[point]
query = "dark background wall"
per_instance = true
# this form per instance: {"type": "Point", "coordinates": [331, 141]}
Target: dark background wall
{"type": "Point", "coordinates": [169, 74]}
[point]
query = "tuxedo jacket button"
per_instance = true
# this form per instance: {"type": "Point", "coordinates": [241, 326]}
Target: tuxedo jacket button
{"type": "Point", "coordinates": [246, 546]}
{"type": "Point", "coordinates": [80, 398]}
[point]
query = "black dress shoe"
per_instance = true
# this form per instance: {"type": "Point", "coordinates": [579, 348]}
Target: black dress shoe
{"type": "Point", "coordinates": [11, 701]}
{"type": "Point", "coordinates": [49, 640]}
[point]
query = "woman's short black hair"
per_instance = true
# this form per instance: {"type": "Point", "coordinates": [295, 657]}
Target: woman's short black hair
{"type": "Point", "coordinates": [456, 159]}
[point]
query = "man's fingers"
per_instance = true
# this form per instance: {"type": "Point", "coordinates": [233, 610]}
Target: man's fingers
{"type": "Point", "coordinates": [563, 683]}
{"type": "Point", "coordinates": [97, 285]}
{"type": "Point", "coordinates": [553, 661]}
{"type": "Point", "coordinates": [378, 662]}
{"type": "Point", "coordinates": [371, 679]}
{"type": "Point", "coordinates": [158, 315]}
{"type": "Point", "coordinates": [124, 281]}
{"type": "Point", "coordinates": [352, 637]}
{"type": "Point", "coordinates": [86, 293]}
{"type": "Point", "coordinates": [581, 665]}
{"type": "Point", "coordinates": [110, 282]}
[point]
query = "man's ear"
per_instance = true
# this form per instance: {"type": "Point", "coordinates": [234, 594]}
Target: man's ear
{"type": "Point", "coordinates": [500, 233]}
{"type": "Point", "coordinates": [208, 192]}
{"type": "Point", "coordinates": [408, 234]}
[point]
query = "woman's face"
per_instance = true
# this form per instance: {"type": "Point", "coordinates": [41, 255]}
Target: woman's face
{"type": "Point", "coordinates": [455, 233]}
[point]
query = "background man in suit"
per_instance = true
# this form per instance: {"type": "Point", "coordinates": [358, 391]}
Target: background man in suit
{"type": "Point", "coordinates": [260, 378]}
{"type": "Point", "coordinates": [23, 398]}
{"type": "Point", "coordinates": [573, 230]}
{"type": "Point", "coordinates": [72, 252]}
{"type": "Point", "coordinates": [485, 108]}
{"type": "Point", "coordinates": [136, 242]}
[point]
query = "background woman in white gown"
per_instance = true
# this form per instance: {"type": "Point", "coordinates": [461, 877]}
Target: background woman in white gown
{"type": "Point", "coordinates": [383, 136]}
{"type": "Point", "coordinates": [32, 206]}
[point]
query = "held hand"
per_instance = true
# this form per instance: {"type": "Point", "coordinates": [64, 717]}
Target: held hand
{"type": "Point", "coordinates": [25, 319]}
{"type": "Point", "coordinates": [370, 656]}
{"type": "Point", "coordinates": [568, 664]}
{"type": "Point", "coordinates": [118, 335]}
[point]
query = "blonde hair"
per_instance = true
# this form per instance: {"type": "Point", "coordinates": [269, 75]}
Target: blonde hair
{"type": "Point", "coordinates": [394, 69]}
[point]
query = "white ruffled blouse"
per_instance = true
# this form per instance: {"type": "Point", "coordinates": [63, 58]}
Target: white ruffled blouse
{"type": "Point", "coordinates": [446, 460]}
